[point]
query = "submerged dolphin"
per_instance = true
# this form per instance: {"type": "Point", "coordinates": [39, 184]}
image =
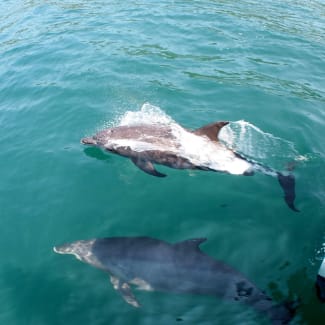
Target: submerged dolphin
{"type": "Point", "coordinates": [153, 264]}
{"type": "Point", "coordinates": [171, 145]}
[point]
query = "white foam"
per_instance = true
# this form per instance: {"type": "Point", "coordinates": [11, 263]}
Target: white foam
{"type": "Point", "coordinates": [148, 114]}
{"type": "Point", "coordinates": [203, 152]}
{"type": "Point", "coordinates": [252, 142]}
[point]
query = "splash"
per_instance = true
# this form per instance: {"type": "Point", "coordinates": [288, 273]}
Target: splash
{"type": "Point", "coordinates": [148, 114]}
{"type": "Point", "coordinates": [250, 141]}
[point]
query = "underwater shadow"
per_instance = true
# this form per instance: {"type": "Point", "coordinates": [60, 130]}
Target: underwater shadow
{"type": "Point", "coordinates": [96, 153]}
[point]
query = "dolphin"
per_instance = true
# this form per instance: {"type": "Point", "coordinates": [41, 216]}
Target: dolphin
{"type": "Point", "coordinates": [172, 145]}
{"type": "Point", "coordinates": [155, 265]}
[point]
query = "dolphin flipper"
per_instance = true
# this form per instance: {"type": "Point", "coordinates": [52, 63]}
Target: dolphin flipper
{"type": "Point", "coordinates": [124, 289]}
{"type": "Point", "coordinates": [288, 185]}
{"type": "Point", "coordinates": [146, 166]}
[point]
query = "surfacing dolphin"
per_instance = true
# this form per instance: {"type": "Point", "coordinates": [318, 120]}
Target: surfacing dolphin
{"type": "Point", "coordinates": [171, 145]}
{"type": "Point", "coordinates": [153, 264]}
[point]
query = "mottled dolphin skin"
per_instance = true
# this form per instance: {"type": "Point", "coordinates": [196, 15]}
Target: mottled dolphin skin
{"type": "Point", "coordinates": [153, 264]}
{"type": "Point", "coordinates": [173, 146]}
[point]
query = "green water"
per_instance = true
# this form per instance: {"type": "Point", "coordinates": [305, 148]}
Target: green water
{"type": "Point", "coordinates": [67, 68]}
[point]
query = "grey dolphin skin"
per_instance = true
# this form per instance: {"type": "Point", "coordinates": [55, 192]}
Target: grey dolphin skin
{"type": "Point", "coordinates": [153, 264]}
{"type": "Point", "coordinates": [179, 148]}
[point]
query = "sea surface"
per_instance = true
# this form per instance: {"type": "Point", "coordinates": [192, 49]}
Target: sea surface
{"type": "Point", "coordinates": [71, 68]}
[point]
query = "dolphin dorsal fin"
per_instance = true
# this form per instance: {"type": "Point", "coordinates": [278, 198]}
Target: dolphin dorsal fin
{"type": "Point", "coordinates": [211, 130]}
{"type": "Point", "coordinates": [193, 243]}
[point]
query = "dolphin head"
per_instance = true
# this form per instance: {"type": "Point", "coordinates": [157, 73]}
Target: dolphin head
{"type": "Point", "coordinates": [101, 138]}
{"type": "Point", "coordinates": [81, 249]}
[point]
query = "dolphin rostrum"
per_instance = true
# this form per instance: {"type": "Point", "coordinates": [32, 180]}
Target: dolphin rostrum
{"type": "Point", "coordinates": [171, 145]}
{"type": "Point", "coordinates": [153, 264]}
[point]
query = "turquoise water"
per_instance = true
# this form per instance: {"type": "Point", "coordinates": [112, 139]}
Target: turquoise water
{"type": "Point", "coordinates": [70, 68]}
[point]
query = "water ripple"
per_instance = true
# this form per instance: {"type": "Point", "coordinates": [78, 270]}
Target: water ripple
{"type": "Point", "coordinates": [67, 67]}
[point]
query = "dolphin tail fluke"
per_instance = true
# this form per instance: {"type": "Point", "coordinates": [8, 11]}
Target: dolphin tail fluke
{"type": "Point", "coordinates": [287, 182]}
{"type": "Point", "coordinates": [282, 313]}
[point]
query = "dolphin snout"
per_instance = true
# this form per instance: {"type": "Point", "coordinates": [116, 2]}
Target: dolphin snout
{"type": "Point", "coordinates": [90, 141]}
{"type": "Point", "coordinates": [64, 249]}
{"type": "Point", "coordinates": [59, 249]}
